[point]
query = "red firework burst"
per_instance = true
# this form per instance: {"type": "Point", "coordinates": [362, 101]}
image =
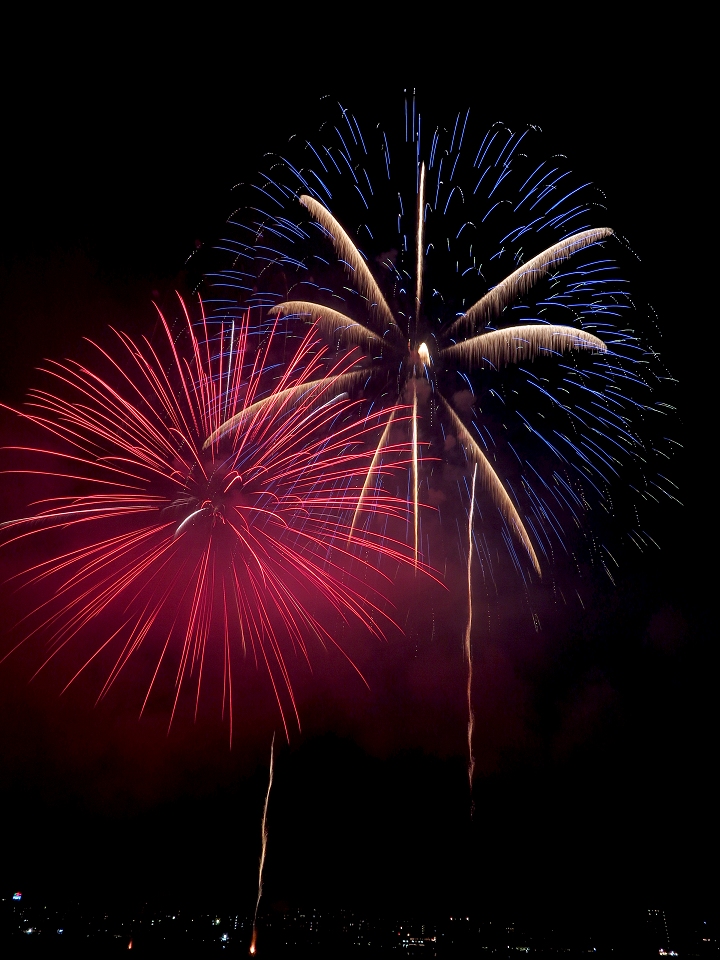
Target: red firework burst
{"type": "Point", "coordinates": [195, 545]}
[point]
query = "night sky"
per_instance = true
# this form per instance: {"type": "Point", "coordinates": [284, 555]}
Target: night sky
{"type": "Point", "coordinates": [595, 738]}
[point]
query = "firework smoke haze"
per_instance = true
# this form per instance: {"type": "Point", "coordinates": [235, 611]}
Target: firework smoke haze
{"type": "Point", "coordinates": [213, 493]}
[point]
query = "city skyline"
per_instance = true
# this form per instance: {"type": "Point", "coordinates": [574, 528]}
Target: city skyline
{"type": "Point", "coordinates": [285, 930]}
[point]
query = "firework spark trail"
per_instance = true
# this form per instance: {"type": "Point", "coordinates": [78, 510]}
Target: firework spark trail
{"type": "Point", "coordinates": [420, 259]}
{"type": "Point", "coordinates": [371, 473]}
{"type": "Point", "coordinates": [328, 321]}
{"type": "Point", "coordinates": [491, 482]}
{"type": "Point", "coordinates": [263, 849]}
{"type": "Point", "coordinates": [212, 503]}
{"type": "Point", "coordinates": [365, 281]}
{"type": "Point", "coordinates": [514, 344]}
{"type": "Point", "coordinates": [415, 484]}
{"type": "Point", "coordinates": [524, 278]}
{"type": "Point", "coordinates": [468, 643]}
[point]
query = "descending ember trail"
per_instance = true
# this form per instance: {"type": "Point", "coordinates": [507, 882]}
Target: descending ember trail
{"type": "Point", "coordinates": [263, 847]}
{"type": "Point", "coordinates": [468, 637]}
{"type": "Point", "coordinates": [196, 548]}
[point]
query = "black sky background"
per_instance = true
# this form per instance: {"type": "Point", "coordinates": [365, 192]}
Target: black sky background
{"type": "Point", "coordinates": [596, 741]}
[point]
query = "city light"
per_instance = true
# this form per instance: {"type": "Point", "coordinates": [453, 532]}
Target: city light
{"type": "Point", "coordinates": [302, 931]}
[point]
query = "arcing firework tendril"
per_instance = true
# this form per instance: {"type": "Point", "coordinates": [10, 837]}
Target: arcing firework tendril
{"type": "Point", "coordinates": [195, 546]}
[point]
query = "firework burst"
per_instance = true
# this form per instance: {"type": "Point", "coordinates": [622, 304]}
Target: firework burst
{"type": "Point", "coordinates": [483, 282]}
{"type": "Point", "coordinates": [194, 548]}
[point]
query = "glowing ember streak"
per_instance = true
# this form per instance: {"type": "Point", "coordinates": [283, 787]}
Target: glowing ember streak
{"type": "Point", "coordinates": [416, 491]}
{"type": "Point", "coordinates": [330, 322]}
{"type": "Point", "coordinates": [468, 631]}
{"type": "Point", "coordinates": [502, 347]}
{"type": "Point", "coordinates": [524, 278]}
{"type": "Point", "coordinates": [263, 851]}
{"type": "Point", "coordinates": [491, 483]}
{"type": "Point", "coordinates": [283, 399]}
{"type": "Point", "coordinates": [210, 510]}
{"type": "Point", "coordinates": [371, 473]}
{"type": "Point", "coordinates": [420, 259]}
{"type": "Point", "coordinates": [351, 256]}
